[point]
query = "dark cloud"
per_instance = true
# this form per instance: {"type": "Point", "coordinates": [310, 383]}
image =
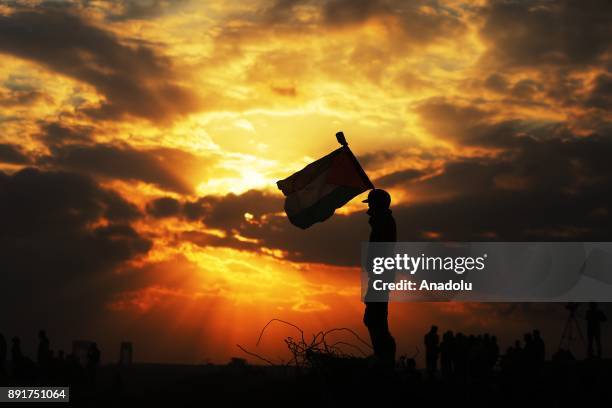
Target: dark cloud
{"type": "Point", "coordinates": [565, 89]}
{"type": "Point", "coordinates": [552, 48]}
{"type": "Point", "coordinates": [353, 11]}
{"type": "Point", "coordinates": [22, 98]}
{"type": "Point", "coordinates": [544, 188]}
{"type": "Point", "coordinates": [62, 238]}
{"type": "Point", "coordinates": [477, 125]}
{"type": "Point", "coordinates": [449, 120]}
{"type": "Point", "coordinates": [20, 83]}
{"type": "Point", "coordinates": [12, 154]}
{"type": "Point", "coordinates": [496, 82]}
{"type": "Point", "coordinates": [376, 160]}
{"type": "Point", "coordinates": [41, 200]}
{"type": "Point", "coordinates": [438, 23]}
{"type": "Point", "coordinates": [601, 94]}
{"type": "Point", "coordinates": [540, 189]}
{"type": "Point", "coordinates": [404, 28]}
{"type": "Point", "coordinates": [526, 88]}
{"type": "Point", "coordinates": [164, 207]}
{"type": "Point", "coordinates": [160, 167]}
{"type": "Point", "coordinates": [53, 134]}
{"type": "Point", "coordinates": [382, 159]}
{"type": "Point", "coordinates": [134, 80]}
{"type": "Point", "coordinates": [422, 22]}
{"type": "Point", "coordinates": [280, 11]}
{"type": "Point", "coordinates": [336, 241]}
{"type": "Point", "coordinates": [548, 33]}
{"type": "Point", "coordinates": [204, 239]}
{"type": "Point", "coordinates": [147, 9]}
{"type": "Point", "coordinates": [403, 176]}
{"type": "Point", "coordinates": [527, 92]}
{"type": "Point", "coordinates": [227, 212]}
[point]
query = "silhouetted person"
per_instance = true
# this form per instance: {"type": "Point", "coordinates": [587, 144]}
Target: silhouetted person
{"type": "Point", "coordinates": [446, 354]}
{"type": "Point", "coordinates": [539, 347]}
{"type": "Point", "coordinates": [475, 356]}
{"type": "Point", "coordinates": [3, 352]}
{"type": "Point", "coordinates": [431, 341]}
{"type": "Point", "coordinates": [43, 357]}
{"type": "Point", "coordinates": [460, 352]}
{"type": "Point", "coordinates": [17, 359]}
{"type": "Point", "coordinates": [117, 385]}
{"type": "Point", "coordinates": [494, 352]}
{"type": "Point", "coordinates": [126, 353]}
{"type": "Point", "coordinates": [375, 318]}
{"type": "Point", "coordinates": [59, 365]}
{"type": "Point", "coordinates": [93, 360]}
{"type": "Point", "coordinates": [529, 350]}
{"type": "Point", "coordinates": [73, 370]}
{"type": "Point", "coordinates": [594, 318]}
{"type": "Point", "coordinates": [16, 355]}
{"type": "Point", "coordinates": [508, 361]}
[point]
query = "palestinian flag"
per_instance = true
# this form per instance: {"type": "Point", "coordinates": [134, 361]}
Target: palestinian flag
{"type": "Point", "coordinates": [316, 191]}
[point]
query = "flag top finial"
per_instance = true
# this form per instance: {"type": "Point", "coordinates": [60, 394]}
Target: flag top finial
{"type": "Point", "coordinates": [341, 139]}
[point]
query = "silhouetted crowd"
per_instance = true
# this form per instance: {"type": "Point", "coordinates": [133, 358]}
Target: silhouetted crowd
{"type": "Point", "coordinates": [50, 368]}
{"type": "Point", "coordinates": [460, 355]}
{"type": "Point", "coordinates": [526, 357]}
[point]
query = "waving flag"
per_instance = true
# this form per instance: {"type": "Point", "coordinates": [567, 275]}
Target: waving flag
{"type": "Point", "coordinates": [316, 191]}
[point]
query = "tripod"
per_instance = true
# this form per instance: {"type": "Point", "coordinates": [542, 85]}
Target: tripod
{"type": "Point", "coordinates": [571, 328]}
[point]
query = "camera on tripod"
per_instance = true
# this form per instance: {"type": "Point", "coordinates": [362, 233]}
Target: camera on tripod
{"type": "Point", "coordinates": [572, 331]}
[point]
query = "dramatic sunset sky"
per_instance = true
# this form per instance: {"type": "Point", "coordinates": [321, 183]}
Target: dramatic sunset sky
{"type": "Point", "coordinates": [140, 143]}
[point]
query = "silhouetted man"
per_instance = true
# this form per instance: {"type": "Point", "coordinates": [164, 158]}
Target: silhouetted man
{"type": "Point", "coordinates": [494, 352]}
{"type": "Point", "coordinates": [594, 317]}
{"type": "Point", "coordinates": [529, 352]}
{"type": "Point", "coordinates": [16, 355]}
{"type": "Point", "coordinates": [17, 359]}
{"type": "Point", "coordinates": [432, 341]}
{"type": "Point", "coordinates": [93, 360]}
{"type": "Point", "coordinates": [375, 318]}
{"type": "Point", "coordinates": [460, 355]}
{"type": "Point", "coordinates": [539, 347]}
{"type": "Point", "coordinates": [446, 351]}
{"type": "Point", "coordinates": [43, 356]}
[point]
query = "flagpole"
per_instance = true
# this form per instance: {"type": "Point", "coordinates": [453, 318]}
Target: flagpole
{"type": "Point", "coordinates": [342, 140]}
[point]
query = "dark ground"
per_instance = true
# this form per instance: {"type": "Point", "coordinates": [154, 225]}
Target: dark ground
{"type": "Point", "coordinates": [341, 382]}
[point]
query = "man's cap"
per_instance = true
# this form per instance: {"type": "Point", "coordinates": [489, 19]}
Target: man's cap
{"type": "Point", "coordinates": [378, 196]}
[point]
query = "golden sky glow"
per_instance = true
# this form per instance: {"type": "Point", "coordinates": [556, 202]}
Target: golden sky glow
{"type": "Point", "coordinates": [206, 104]}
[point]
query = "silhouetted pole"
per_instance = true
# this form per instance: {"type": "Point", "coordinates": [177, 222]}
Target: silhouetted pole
{"type": "Point", "coordinates": [342, 140]}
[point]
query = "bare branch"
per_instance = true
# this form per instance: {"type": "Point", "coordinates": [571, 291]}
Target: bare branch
{"type": "Point", "coordinates": [281, 321]}
{"type": "Point", "coordinates": [350, 331]}
{"type": "Point", "coordinates": [255, 355]}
